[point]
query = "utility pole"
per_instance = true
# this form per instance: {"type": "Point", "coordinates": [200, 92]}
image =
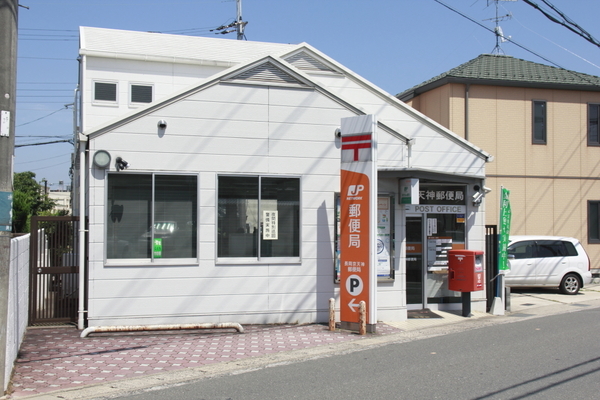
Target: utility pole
{"type": "Point", "coordinates": [240, 23]}
{"type": "Point", "coordinates": [8, 89]}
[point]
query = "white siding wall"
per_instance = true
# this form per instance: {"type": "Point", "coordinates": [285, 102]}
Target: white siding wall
{"type": "Point", "coordinates": [166, 78]}
{"type": "Point", "coordinates": [429, 152]}
{"type": "Point", "coordinates": [18, 301]}
{"type": "Point", "coordinates": [250, 129]}
{"type": "Point", "coordinates": [228, 129]}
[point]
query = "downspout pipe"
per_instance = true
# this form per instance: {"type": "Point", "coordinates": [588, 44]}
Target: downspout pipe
{"type": "Point", "coordinates": [467, 87]}
{"type": "Point", "coordinates": [138, 328]}
{"type": "Point", "coordinates": [82, 245]}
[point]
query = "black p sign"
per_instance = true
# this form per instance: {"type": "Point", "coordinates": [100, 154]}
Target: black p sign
{"type": "Point", "coordinates": [354, 285]}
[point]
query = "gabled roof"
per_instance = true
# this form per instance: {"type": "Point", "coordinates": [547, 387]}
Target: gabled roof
{"type": "Point", "coordinates": [286, 65]}
{"type": "Point", "coordinates": [501, 70]}
{"type": "Point", "coordinates": [164, 47]}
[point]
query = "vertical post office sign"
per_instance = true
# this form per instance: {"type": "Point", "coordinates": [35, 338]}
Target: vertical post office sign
{"type": "Point", "coordinates": [358, 218]}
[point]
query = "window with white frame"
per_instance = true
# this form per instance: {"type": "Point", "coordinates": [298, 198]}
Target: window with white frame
{"type": "Point", "coordinates": [151, 216]}
{"type": "Point", "coordinates": [105, 91]}
{"type": "Point", "coordinates": [141, 93]}
{"type": "Point", "coordinates": [258, 217]}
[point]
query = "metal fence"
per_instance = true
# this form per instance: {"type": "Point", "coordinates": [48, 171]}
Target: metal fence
{"type": "Point", "coordinates": [54, 270]}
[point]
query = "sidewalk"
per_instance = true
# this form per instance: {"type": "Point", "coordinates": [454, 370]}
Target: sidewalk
{"type": "Point", "coordinates": [55, 363]}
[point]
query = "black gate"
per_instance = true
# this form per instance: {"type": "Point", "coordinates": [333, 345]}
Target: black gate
{"type": "Point", "coordinates": [54, 270]}
{"type": "Point", "coordinates": [491, 262]}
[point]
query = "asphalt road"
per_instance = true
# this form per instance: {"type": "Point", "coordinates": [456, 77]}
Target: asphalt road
{"type": "Point", "coordinates": [553, 357]}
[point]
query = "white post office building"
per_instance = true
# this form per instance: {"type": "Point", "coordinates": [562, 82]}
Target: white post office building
{"type": "Point", "coordinates": [209, 174]}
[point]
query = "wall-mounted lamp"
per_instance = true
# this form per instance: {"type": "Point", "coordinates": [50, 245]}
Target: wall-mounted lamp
{"type": "Point", "coordinates": [102, 159]}
{"type": "Point", "coordinates": [121, 164]}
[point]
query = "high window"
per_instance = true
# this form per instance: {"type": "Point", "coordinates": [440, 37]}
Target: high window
{"type": "Point", "coordinates": [539, 122]}
{"type": "Point", "coordinates": [258, 217]}
{"type": "Point", "coordinates": [105, 91]}
{"type": "Point", "coordinates": [141, 93]}
{"type": "Point", "coordinates": [151, 216]}
{"type": "Point", "coordinates": [593, 136]}
{"type": "Point", "coordinates": [593, 221]}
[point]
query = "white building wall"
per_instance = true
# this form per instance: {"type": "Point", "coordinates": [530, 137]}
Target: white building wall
{"type": "Point", "coordinates": [429, 151]}
{"type": "Point", "coordinates": [165, 78]}
{"type": "Point", "coordinates": [18, 301]}
{"type": "Point", "coordinates": [251, 129]}
{"type": "Point", "coordinates": [267, 135]}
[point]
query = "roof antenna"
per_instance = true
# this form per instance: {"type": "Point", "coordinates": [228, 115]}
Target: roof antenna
{"type": "Point", "coordinates": [500, 38]}
{"type": "Point", "coordinates": [239, 25]}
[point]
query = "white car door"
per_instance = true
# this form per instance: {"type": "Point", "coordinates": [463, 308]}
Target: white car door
{"type": "Point", "coordinates": [522, 264]}
{"type": "Point", "coordinates": [552, 263]}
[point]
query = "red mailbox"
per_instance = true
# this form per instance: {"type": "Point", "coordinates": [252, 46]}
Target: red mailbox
{"type": "Point", "coordinates": [465, 270]}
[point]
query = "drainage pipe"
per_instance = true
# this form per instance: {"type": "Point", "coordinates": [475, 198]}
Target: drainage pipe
{"type": "Point", "coordinates": [136, 328]}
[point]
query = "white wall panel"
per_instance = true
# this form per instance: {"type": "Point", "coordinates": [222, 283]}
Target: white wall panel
{"type": "Point", "coordinates": [243, 129]}
{"type": "Point", "coordinates": [174, 306]}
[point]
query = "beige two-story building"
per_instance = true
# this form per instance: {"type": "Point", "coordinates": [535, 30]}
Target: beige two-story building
{"type": "Point", "coordinates": [541, 124]}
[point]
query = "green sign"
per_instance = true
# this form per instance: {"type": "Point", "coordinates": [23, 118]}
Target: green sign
{"type": "Point", "coordinates": [157, 248]}
{"type": "Point", "coordinates": [505, 215]}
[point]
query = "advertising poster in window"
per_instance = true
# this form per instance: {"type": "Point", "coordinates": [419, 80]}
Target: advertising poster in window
{"type": "Point", "coordinates": [270, 225]}
{"type": "Point", "coordinates": [384, 259]}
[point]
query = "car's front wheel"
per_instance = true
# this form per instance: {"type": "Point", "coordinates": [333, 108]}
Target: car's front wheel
{"type": "Point", "coordinates": [570, 284]}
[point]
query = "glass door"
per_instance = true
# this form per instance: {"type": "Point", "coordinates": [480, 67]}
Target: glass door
{"type": "Point", "coordinates": [428, 239]}
{"type": "Point", "coordinates": [414, 262]}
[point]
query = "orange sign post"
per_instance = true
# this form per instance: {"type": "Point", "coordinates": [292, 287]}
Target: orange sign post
{"type": "Point", "coordinates": [358, 219]}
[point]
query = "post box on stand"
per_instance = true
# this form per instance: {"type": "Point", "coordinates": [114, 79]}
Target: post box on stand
{"type": "Point", "coordinates": [465, 275]}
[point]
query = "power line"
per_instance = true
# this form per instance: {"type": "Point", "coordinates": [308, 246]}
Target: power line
{"type": "Point", "coordinates": [566, 22]}
{"type": "Point", "coordinates": [66, 107]}
{"type": "Point", "coordinates": [508, 39]}
{"type": "Point", "coordinates": [43, 143]}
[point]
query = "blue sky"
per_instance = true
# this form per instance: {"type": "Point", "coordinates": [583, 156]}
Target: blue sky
{"type": "Point", "coordinates": [395, 44]}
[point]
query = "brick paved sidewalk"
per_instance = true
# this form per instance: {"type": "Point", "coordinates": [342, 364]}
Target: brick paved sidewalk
{"type": "Point", "coordinates": [57, 358]}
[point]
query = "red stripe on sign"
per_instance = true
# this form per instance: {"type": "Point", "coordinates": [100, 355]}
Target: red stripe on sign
{"type": "Point", "coordinates": [357, 138]}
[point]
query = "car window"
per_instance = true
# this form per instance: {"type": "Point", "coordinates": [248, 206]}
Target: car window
{"type": "Point", "coordinates": [524, 249]}
{"type": "Point", "coordinates": [555, 248]}
{"type": "Point", "coordinates": [571, 251]}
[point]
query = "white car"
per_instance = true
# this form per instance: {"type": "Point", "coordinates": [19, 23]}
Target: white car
{"type": "Point", "coordinates": [548, 261]}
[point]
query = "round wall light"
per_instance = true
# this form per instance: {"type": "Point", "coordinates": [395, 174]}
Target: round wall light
{"type": "Point", "coordinates": [102, 159]}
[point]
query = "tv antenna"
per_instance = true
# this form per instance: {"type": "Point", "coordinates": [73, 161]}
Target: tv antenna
{"type": "Point", "coordinates": [500, 38]}
{"type": "Point", "coordinates": [239, 24]}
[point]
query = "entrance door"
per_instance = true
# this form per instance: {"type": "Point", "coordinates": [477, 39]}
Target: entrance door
{"type": "Point", "coordinates": [428, 238]}
{"type": "Point", "coordinates": [414, 262]}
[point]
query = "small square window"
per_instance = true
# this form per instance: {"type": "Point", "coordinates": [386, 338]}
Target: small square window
{"type": "Point", "coordinates": [105, 91]}
{"type": "Point", "coordinates": [141, 94]}
{"type": "Point", "coordinates": [539, 122]}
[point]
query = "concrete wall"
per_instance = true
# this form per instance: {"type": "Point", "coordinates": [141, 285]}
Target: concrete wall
{"type": "Point", "coordinates": [18, 300]}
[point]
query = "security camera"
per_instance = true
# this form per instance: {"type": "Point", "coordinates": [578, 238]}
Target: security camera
{"type": "Point", "coordinates": [477, 198]}
{"type": "Point", "coordinates": [338, 133]}
{"type": "Point", "coordinates": [121, 164]}
{"type": "Point", "coordinates": [162, 124]}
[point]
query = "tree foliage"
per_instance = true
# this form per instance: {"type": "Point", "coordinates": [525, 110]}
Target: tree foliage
{"type": "Point", "coordinates": [28, 199]}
